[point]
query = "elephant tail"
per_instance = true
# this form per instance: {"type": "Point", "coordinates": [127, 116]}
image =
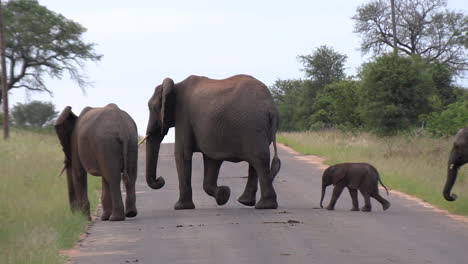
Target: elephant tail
{"type": "Point", "coordinates": [276, 162]}
{"type": "Point", "coordinates": [125, 158]}
{"type": "Point", "coordinates": [381, 183]}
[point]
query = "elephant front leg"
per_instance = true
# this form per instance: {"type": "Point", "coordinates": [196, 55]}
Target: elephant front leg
{"type": "Point", "coordinates": [337, 190]}
{"type": "Point", "coordinates": [184, 172]}
{"type": "Point", "coordinates": [210, 181]}
{"type": "Point", "coordinates": [354, 198]}
{"type": "Point", "coordinates": [248, 197]}
{"type": "Point", "coordinates": [367, 204]}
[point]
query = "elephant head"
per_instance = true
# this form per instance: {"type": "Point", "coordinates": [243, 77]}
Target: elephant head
{"type": "Point", "coordinates": [458, 157]}
{"type": "Point", "coordinates": [162, 112]}
{"type": "Point", "coordinates": [64, 127]}
{"type": "Point", "coordinates": [331, 175]}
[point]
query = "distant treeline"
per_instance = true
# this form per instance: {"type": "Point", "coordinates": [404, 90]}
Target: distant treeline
{"type": "Point", "coordinates": [390, 94]}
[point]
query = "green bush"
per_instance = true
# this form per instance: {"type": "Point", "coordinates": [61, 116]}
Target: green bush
{"type": "Point", "coordinates": [449, 121]}
{"type": "Point", "coordinates": [395, 90]}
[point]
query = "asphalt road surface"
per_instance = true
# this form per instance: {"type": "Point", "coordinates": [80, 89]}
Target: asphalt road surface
{"type": "Point", "coordinates": [294, 233]}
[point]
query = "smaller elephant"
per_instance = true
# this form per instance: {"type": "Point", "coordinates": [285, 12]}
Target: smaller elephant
{"type": "Point", "coordinates": [458, 157]}
{"type": "Point", "coordinates": [103, 142]}
{"type": "Point", "coordinates": [356, 176]}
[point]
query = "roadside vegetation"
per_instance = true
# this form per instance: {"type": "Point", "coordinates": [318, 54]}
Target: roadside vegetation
{"type": "Point", "coordinates": [413, 165]}
{"type": "Point", "coordinates": [35, 219]}
{"type": "Point", "coordinates": [401, 108]}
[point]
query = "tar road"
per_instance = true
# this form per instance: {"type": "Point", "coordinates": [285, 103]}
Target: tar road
{"type": "Point", "coordinates": [409, 232]}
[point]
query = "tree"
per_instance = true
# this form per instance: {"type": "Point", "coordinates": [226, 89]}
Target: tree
{"type": "Point", "coordinates": [336, 106]}
{"type": "Point", "coordinates": [33, 114]}
{"type": "Point", "coordinates": [423, 27]}
{"type": "Point", "coordinates": [395, 90]}
{"type": "Point", "coordinates": [324, 65]}
{"type": "Point", "coordinates": [41, 42]}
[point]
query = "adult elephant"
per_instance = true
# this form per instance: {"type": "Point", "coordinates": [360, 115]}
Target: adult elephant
{"type": "Point", "coordinates": [234, 119]}
{"type": "Point", "coordinates": [103, 142]}
{"type": "Point", "coordinates": [458, 157]}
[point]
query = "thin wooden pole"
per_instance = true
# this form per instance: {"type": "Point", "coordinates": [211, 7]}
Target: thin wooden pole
{"type": "Point", "coordinates": [6, 123]}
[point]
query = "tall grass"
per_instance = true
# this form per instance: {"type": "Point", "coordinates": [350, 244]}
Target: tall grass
{"type": "Point", "coordinates": [35, 219]}
{"type": "Point", "coordinates": [414, 165]}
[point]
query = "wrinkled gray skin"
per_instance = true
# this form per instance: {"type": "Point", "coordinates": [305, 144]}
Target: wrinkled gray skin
{"type": "Point", "coordinates": [356, 176]}
{"type": "Point", "coordinates": [234, 119]}
{"type": "Point", "coordinates": [458, 157]}
{"type": "Point", "coordinates": [102, 142]}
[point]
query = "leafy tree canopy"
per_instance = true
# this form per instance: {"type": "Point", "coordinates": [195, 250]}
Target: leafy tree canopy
{"type": "Point", "coordinates": [34, 114]}
{"type": "Point", "coordinates": [424, 27]}
{"type": "Point", "coordinates": [395, 90]}
{"type": "Point", "coordinates": [41, 42]}
{"type": "Point", "coordinates": [324, 65]}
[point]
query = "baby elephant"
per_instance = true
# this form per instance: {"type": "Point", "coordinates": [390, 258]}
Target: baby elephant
{"type": "Point", "coordinates": [356, 176]}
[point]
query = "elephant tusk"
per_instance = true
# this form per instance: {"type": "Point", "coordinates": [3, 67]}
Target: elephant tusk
{"type": "Point", "coordinates": [143, 140]}
{"type": "Point", "coordinates": [451, 166]}
{"type": "Point", "coordinates": [61, 172]}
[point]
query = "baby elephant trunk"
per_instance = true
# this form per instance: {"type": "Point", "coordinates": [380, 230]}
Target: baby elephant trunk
{"type": "Point", "coordinates": [324, 188]}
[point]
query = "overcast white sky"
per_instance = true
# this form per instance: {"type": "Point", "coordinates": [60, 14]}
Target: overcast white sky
{"type": "Point", "coordinates": [145, 41]}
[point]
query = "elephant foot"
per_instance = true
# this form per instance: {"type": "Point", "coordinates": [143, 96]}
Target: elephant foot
{"type": "Point", "coordinates": [105, 216]}
{"type": "Point", "coordinates": [386, 206]}
{"type": "Point", "coordinates": [331, 208]}
{"type": "Point", "coordinates": [131, 213]}
{"type": "Point", "coordinates": [222, 195]}
{"type": "Point", "coordinates": [184, 205]}
{"type": "Point", "coordinates": [266, 204]}
{"type": "Point", "coordinates": [117, 217]}
{"type": "Point", "coordinates": [355, 209]}
{"type": "Point", "coordinates": [247, 199]}
{"type": "Point", "coordinates": [366, 209]}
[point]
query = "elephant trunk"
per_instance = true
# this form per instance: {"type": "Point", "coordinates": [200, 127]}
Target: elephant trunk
{"type": "Point", "coordinates": [451, 177]}
{"type": "Point", "coordinates": [153, 144]}
{"type": "Point", "coordinates": [324, 188]}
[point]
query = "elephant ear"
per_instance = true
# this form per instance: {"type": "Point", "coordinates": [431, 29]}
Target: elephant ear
{"type": "Point", "coordinates": [167, 105]}
{"type": "Point", "coordinates": [64, 127]}
{"type": "Point", "coordinates": [337, 174]}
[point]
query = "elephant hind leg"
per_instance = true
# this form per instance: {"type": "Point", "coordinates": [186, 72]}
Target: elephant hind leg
{"type": "Point", "coordinates": [113, 179]}
{"type": "Point", "coordinates": [130, 199]}
{"type": "Point", "coordinates": [385, 204]}
{"type": "Point", "coordinates": [248, 198]}
{"type": "Point", "coordinates": [210, 181]}
{"type": "Point", "coordinates": [106, 201]}
{"type": "Point", "coordinates": [129, 178]}
{"type": "Point", "coordinates": [267, 192]}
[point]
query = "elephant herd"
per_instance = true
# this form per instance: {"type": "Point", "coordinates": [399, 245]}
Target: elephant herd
{"type": "Point", "coordinates": [233, 119]}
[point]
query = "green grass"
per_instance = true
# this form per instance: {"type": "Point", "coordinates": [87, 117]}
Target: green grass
{"type": "Point", "coordinates": [35, 219]}
{"type": "Point", "coordinates": [416, 166]}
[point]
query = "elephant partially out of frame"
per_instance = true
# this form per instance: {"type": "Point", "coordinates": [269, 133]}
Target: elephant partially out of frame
{"type": "Point", "coordinates": [102, 142]}
{"type": "Point", "coordinates": [458, 157]}
{"type": "Point", "coordinates": [234, 120]}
